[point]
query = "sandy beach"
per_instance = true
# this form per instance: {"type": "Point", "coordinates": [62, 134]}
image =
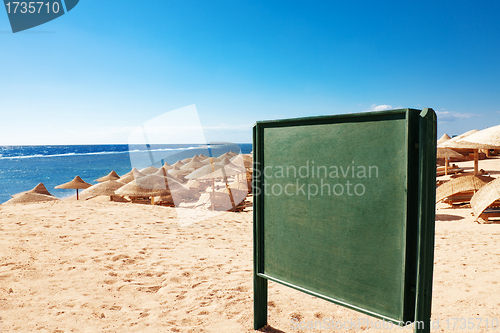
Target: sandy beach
{"type": "Point", "coordinates": [100, 266]}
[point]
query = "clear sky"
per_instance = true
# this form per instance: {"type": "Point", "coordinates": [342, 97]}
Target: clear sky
{"type": "Point", "coordinates": [99, 71]}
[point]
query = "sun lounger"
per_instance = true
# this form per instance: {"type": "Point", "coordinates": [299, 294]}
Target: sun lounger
{"type": "Point", "coordinates": [460, 190]}
{"type": "Point", "coordinates": [459, 198]}
{"type": "Point", "coordinates": [486, 202]}
{"type": "Point", "coordinates": [450, 171]}
{"type": "Point", "coordinates": [141, 200]}
{"type": "Point", "coordinates": [489, 212]}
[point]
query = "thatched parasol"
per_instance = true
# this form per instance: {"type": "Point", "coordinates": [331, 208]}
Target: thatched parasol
{"type": "Point", "coordinates": [178, 164]}
{"type": "Point", "coordinates": [150, 186]}
{"type": "Point", "coordinates": [452, 143]}
{"type": "Point", "coordinates": [485, 196]}
{"type": "Point", "coordinates": [226, 162]}
{"type": "Point", "coordinates": [105, 188]}
{"type": "Point", "coordinates": [193, 184]}
{"type": "Point", "coordinates": [197, 158]}
{"type": "Point", "coordinates": [209, 169]}
{"type": "Point", "coordinates": [461, 184]}
{"type": "Point", "coordinates": [130, 176]}
{"type": "Point", "coordinates": [193, 165]}
{"type": "Point", "coordinates": [213, 171]}
{"type": "Point", "coordinates": [166, 166]}
{"type": "Point", "coordinates": [77, 183]}
{"type": "Point", "coordinates": [175, 171]}
{"type": "Point", "coordinates": [164, 173]}
{"type": "Point", "coordinates": [149, 170]}
{"type": "Point", "coordinates": [489, 137]}
{"type": "Point", "coordinates": [111, 176]}
{"type": "Point", "coordinates": [446, 153]}
{"type": "Point", "coordinates": [27, 198]}
{"type": "Point", "coordinates": [228, 155]}
{"type": "Point", "coordinates": [460, 142]}
{"type": "Point", "coordinates": [444, 138]}
{"type": "Point", "coordinates": [242, 160]}
{"type": "Point", "coordinates": [209, 160]}
{"type": "Point", "coordinates": [39, 189]}
{"type": "Point", "coordinates": [221, 173]}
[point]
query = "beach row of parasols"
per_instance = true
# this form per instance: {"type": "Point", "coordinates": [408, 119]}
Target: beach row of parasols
{"type": "Point", "coordinates": [488, 138]}
{"type": "Point", "coordinates": [151, 181]}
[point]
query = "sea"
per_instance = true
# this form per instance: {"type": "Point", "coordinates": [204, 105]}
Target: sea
{"type": "Point", "coordinates": [23, 167]}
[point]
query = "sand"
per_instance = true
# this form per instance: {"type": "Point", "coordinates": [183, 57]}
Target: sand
{"type": "Point", "coordinates": [92, 266]}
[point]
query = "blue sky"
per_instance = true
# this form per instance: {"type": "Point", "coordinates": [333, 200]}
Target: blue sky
{"type": "Point", "coordinates": [106, 67]}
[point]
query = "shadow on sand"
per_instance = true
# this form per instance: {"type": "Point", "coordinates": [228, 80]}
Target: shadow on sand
{"type": "Point", "coordinates": [448, 217]}
{"type": "Point", "coordinates": [269, 329]}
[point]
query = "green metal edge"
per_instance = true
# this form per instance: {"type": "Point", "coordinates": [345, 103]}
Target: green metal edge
{"type": "Point", "coordinates": [259, 283]}
{"type": "Point", "coordinates": [426, 219]}
{"type": "Point", "coordinates": [328, 118]}
{"type": "Point", "coordinates": [258, 207]}
{"type": "Point", "coordinates": [412, 181]}
{"type": "Point", "coordinates": [333, 300]}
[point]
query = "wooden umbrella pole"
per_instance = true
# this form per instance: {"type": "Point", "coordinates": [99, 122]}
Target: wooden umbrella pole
{"type": "Point", "coordinates": [213, 182]}
{"type": "Point", "coordinates": [76, 194]}
{"type": "Point", "coordinates": [229, 190]}
{"type": "Point", "coordinates": [213, 191]}
{"type": "Point", "coordinates": [476, 161]}
{"type": "Point", "coordinates": [446, 166]}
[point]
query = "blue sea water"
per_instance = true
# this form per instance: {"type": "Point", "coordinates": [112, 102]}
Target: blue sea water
{"type": "Point", "coordinates": [23, 167]}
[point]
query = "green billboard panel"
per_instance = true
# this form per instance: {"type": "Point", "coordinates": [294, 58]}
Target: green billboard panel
{"type": "Point", "coordinates": [338, 208]}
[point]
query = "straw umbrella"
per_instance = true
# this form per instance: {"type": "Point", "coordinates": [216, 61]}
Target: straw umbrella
{"type": "Point", "coordinates": [166, 166]}
{"type": "Point", "coordinates": [111, 176]}
{"type": "Point", "coordinates": [486, 139]}
{"type": "Point", "coordinates": [452, 143]}
{"type": "Point", "coordinates": [39, 189]}
{"type": "Point", "coordinates": [446, 153]}
{"type": "Point", "coordinates": [444, 138]}
{"type": "Point", "coordinates": [175, 171]}
{"type": "Point", "coordinates": [150, 186]}
{"type": "Point", "coordinates": [489, 137]}
{"type": "Point", "coordinates": [149, 170]}
{"type": "Point", "coordinates": [228, 155]}
{"type": "Point", "coordinates": [229, 164]}
{"type": "Point", "coordinates": [105, 188]}
{"type": "Point", "coordinates": [213, 171]}
{"type": "Point", "coordinates": [209, 160]}
{"type": "Point", "coordinates": [130, 176]}
{"type": "Point", "coordinates": [192, 165]}
{"type": "Point", "coordinates": [243, 160]}
{"type": "Point", "coordinates": [460, 142]}
{"type": "Point", "coordinates": [178, 164]}
{"type": "Point", "coordinates": [77, 183]}
{"type": "Point", "coordinates": [27, 198]}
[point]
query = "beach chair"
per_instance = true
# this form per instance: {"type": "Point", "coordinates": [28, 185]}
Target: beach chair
{"type": "Point", "coordinates": [166, 201]}
{"type": "Point", "coordinates": [486, 202]}
{"type": "Point", "coordinates": [141, 200]}
{"type": "Point", "coordinates": [460, 190]}
{"type": "Point", "coordinates": [451, 171]}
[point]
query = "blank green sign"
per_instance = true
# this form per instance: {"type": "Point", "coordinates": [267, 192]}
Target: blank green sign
{"type": "Point", "coordinates": [334, 215]}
